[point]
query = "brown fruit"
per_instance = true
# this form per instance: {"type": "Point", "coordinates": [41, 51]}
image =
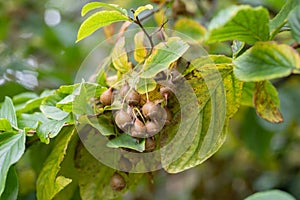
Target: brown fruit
{"type": "Point", "coordinates": [117, 182]}
{"type": "Point", "coordinates": [152, 128]}
{"type": "Point", "coordinates": [138, 130]}
{"type": "Point", "coordinates": [165, 91]}
{"type": "Point", "coordinates": [123, 120]}
{"type": "Point", "coordinates": [150, 110]}
{"type": "Point", "coordinates": [106, 97]}
{"type": "Point", "coordinates": [133, 98]}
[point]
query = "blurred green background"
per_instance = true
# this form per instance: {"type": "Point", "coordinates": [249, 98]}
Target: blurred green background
{"type": "Point", "coordinates": [38, 51]}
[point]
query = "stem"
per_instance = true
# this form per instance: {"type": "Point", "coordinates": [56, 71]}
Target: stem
{"type": "Point", "coordinates": [138, 22]}
{"type": "Point", "coordinates": [136, 109]}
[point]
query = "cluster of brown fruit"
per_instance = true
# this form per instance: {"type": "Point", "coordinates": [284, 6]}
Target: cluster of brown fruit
{"type": "Point", "coordinates": [138, 117]}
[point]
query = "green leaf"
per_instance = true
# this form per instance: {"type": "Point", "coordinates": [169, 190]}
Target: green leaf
{"type": "Point", "coordinates": [282, 17]}
{"type": "Point", "coordinates": [163, 55]}
{"type": "Point", "coordinates": [50, 129]}
{"type": "Point", "coordinates": [98, 20]}
{"type": "Point", "coordinates": [31, 120]}
{"type": "Point", "coordinates": [102, 123]}
{"type": "Point", "coordinates": [266, 102]}
{"type": "Point", "coordinates": [66, 104]}
{"type": "Point", "coordinates": [53, 112]}
{"type": "Point", "coordinates": [11, 186]}
{"type": "Point", "coordinates": [33, 104]}
{"type": "Point", "coordinates": [271, 194]}
{"type": "Point", "coordinates": [49, 182]}
{"type": "Point", "coordinates": [126, 141]}
{"type": "Point", "coordinates": [12, 147]}
{"type": "Point", "coordinates": [5, 125]}
{"type": "Point", "coordinates": [141, 9]}
{"type": "Point", "coordinates": [190, 28]}
{"type": "Point", "coordinates": [267, 60]}
{"type": "Point", "coordinates": [93, 5]}
{"type": "Point", "coordinates": [53, 104]}
{"type": "Point", "coordinates": [90, 168]}
{"type": "Point", "coordinates": [218, 96]}
{"type": "Point", "coordinates": [294, 22]}
{"type": "Point", "coordinates": [140, 51]}
{"type": "Point", "coordinates": [145, 85]}
{"type": "Point", "coordinates": [119, 56]}
{"type": "Point", "coordinates": [242, 23]}
{"type": "Point", "coordinates": [8, 111]}
{"type": "Point", "coordinates": [23, 97]}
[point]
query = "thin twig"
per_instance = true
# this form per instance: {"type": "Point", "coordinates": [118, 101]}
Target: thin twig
{"type": "Point", "coordinates": [138, 22]}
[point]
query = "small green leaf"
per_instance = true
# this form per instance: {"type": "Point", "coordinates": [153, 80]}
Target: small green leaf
{"type": "Point", "coordinates": [8, 111]}
{"type": "Point", "coordinates": [190, 28]}
{"type": "Point", "coordinates": [53, 112]}
{"type": "Point", "coordinates": [242, 23]}
{"type": "Point", "coordinates": [12, 185]}
{"type": "Point", "coordinates": [31, 120]}
{"type": "Point", "coordinates": [163, 55]}
{"type": "Point", "coordinates": [140, 51]}
{"type": "Point", "coordinates": [266, 102]}
{"type": "Point", "coordinates": [93, 5]}
{"type": "Point", "coordinates": [294, 22]}
{"type": "Point", "coordinates": [145, 85]}
{"type": "Point", "coordinates": [141, 9]}
{"type": "Point", "coordinates": [33, 104]}
{"type": "Point", "coordinates": [267, 60]}
{"type": "Point", "coordinates": [271, 194]}
{"type": "Point", "coordinates": [126, 141]}
{"type": "Point", "coordinates": [119, 56]}
{"type": "Point", "coordinates": [66, 104]}
{"type": "Point", "coordinates": [23, 97]}
{"type": "Point", "coordinates": [49, 183]}
{"type": "Point", "coordinates": [50, 129]}
{"type": "Point", "coordinates": [282, 17]}
{"type": "Point", "coordinates": [5, 125]}
{"type": "Point", "coordinates": [102, 123]}
{"type": "Point", "coordinates": [98, 20]}
{"type": "Point", "coordinates": [12, 147]}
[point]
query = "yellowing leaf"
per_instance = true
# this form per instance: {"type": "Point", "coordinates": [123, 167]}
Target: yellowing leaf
{"type": "Point", "coordinates": [266, 102]}
{"type": "Point", "coordinates": [141, 9]}
{"type": "Point", "coordinates": [140, 51]}
{"type": "Point", "coordinates": [98, 20]}
{"type": "Point", "coordinates": [119, 57]}
{"type": "Point", "coordinates": [218, 96]}
{"type": "Point", "coordinates": [48, 182]}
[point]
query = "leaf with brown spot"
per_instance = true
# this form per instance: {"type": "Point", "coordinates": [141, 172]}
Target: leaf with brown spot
{"type": "Point", "coordinates": [266, 102]}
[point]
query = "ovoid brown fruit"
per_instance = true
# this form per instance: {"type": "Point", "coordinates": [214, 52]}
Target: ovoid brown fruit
{"type": "Point", "coordinates": [117, 182]}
